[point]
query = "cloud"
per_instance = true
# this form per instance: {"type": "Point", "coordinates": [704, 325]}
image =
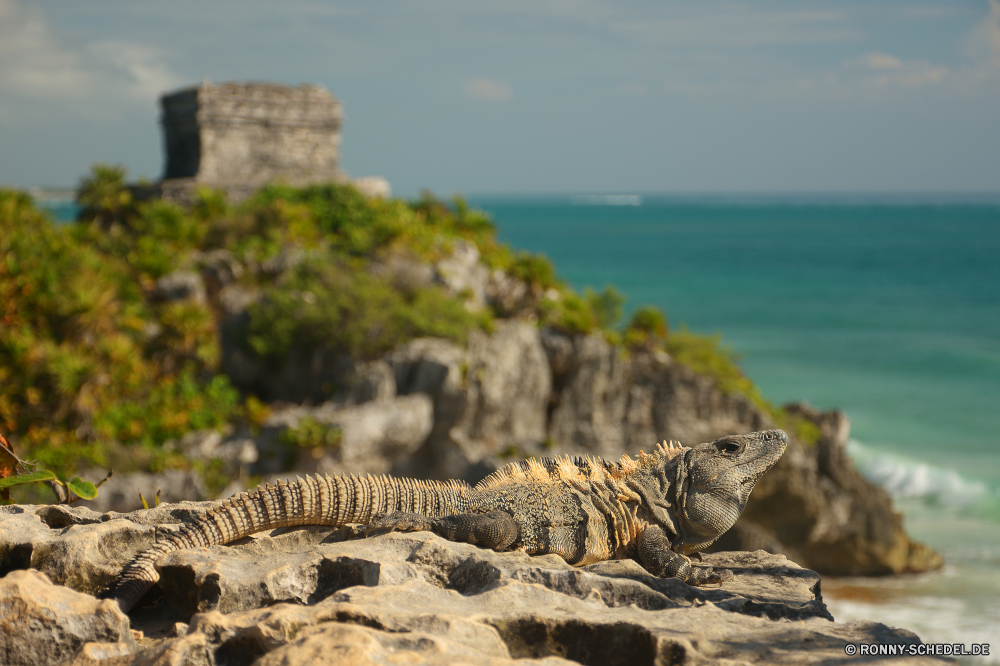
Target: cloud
{"type": "Point", "coordinates": [38, 67]}
{"type": "Point", "coordinates": [488, 89]}
{"type": "Point", "coordinates": [984, 43]}
{"type": "Point", "coordinates": [883, 70]}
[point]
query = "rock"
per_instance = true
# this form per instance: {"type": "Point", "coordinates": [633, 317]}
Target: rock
{"type": "Point", "coordinates": [488, 401]}
{"type": "Point", "coordinates": [405, 271]}
{"type": "Point", "coordinates": [507, 294]}
{"type": "Point", "coordinates": [288, 258]}
{"type": "Point", "coordinates": [373, 187]}
{"type": "Point", "coordinates": [668, 400]}
{"type": "Point", "coordinates": [374, 380]}
{"type": "Point", "coordinates": [219, 269]}
{"type": "Point", "coordinates": [816, 507]}
{"type": "Point", "coordinates": [608, 403]}
{"type": "Point", "coordinates": [181, 286]}
{"type": "Point", "coordinates": [121, 491]}
{"type": "Point", "coordinates": [373, 435]}
{"type": "Point", "coordinates": [42, 623]}
{"type": "Point", "coordinates": [590, 396]}
{"type": "Point", "coordinates": [307, 594]}
{"type": "Point", "coordinates": [463, 274]}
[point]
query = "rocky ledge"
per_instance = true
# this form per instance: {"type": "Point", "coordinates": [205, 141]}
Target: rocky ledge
{"type": "Point", "coordinates": [338, 596]}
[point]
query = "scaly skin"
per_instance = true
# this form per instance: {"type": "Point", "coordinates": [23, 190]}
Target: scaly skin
{"type": "Point", "coordinates": [657, 509]}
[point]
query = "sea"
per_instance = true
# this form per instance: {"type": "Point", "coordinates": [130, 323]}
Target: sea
{"type": "Point", "coordinates": [884, 306]}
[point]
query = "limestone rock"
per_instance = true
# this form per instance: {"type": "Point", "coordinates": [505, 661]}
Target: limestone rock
{"type": "Point", "coordinates": [42, 623]}
{"type": "Point", "coordinates": [507, 294]}
{"type": "Point", "coordinates": [591, 395]}
{"type": "Point", "coordinates": [488, 400]}
{"type": "Point", "coordinates": [463, 273]}
{"type": "Point", "coordinates": [668, 400]}
{"type": "Point", "coordinates": [305, 594]}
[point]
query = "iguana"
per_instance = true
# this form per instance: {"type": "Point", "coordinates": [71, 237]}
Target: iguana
{"type": "Point", "coordinates": [657, 509]}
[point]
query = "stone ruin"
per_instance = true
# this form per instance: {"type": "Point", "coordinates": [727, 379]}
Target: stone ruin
{"type": "Point", "coordinates": [237, 137]}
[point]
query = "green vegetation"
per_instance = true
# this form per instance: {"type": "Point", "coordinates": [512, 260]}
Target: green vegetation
{"type": "Point", "coordinates": [324, 303]}
{"type": "Point", "coordinates": [99, 368]}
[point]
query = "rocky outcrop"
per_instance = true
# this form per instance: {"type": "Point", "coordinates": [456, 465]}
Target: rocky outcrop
{"type": "Point", "coordinates": [609, 402]}
{"type": "Point", "coordinates": [314, 595]}
{"type": "Point", "coordinates": [490, 399]}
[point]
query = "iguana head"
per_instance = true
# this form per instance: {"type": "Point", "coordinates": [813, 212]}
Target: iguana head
{"type": "Point", "coordinates": [714, 482]}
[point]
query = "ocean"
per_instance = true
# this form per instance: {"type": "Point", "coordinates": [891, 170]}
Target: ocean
{"type": "Point", "coordinates": [887, 307]}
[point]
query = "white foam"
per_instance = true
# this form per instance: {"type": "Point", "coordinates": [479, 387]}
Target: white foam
{"type": "Point", "coordinates": [905, 478]}
{"type": "Point", "coordinates": [608, 200]}
{"type": "Point", "coordinates": [933, 619]}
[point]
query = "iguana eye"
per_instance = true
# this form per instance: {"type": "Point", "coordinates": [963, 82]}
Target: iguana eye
{"type": "Point", "coordinates": [730, 447]}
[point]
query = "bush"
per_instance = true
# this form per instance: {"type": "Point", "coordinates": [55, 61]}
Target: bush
{"type": "Point", "coordinates": [332, 305]}
{"type": "Point", "coordinates": [705, 355]}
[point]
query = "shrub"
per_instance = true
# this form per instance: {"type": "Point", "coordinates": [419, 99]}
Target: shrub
{"type": "Point", "coordinates": [648, 327]}
{"type": "Point", "coordinates": [330, 305]}
{"type": "Point", "coordinates": [705, 355]}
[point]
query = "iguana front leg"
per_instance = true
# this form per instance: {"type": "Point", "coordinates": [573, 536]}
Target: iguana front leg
{"type": "Point", "coordinates": [656, 555]}
{"type": "Point", "coordinates": [495, 530]}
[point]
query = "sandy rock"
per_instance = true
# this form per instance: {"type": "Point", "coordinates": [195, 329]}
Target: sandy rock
{"type": "Point", "coordinates": [42, 623]}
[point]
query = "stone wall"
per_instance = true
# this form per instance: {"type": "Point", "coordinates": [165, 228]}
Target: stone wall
{"type": "Point", "coordinates": [239, 136]}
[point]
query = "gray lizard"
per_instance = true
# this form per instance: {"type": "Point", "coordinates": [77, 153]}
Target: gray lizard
{"type": "Point", "coordinates": [657, 509]}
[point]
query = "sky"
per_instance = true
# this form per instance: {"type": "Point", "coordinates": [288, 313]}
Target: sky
{"type": "Point", "coordinates": [534, 96]}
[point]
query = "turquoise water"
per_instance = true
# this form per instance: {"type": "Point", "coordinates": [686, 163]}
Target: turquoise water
{"type": "Point", "coordinates": [887, 308]}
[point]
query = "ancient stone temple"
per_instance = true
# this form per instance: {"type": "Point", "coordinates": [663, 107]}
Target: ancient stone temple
{"type": "Point", "coordinates": [238, 137]}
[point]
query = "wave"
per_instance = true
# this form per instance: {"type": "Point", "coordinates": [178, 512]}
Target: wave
{"type": "Point", "coordinates": [907, 478]}
{"type": "Point", "coordinates": [608, 200]}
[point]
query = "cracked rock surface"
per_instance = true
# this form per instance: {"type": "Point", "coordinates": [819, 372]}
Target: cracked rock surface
{"type": "Point", "coordinates": [334, 596]}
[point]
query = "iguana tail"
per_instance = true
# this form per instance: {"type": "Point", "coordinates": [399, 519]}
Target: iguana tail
{"type": "Point", "coordinates": [315, 500]}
